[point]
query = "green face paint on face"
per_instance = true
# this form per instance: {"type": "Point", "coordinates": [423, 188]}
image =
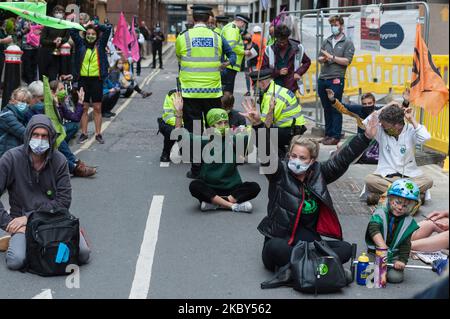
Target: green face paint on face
{"type": "Point", "coordinates": [91, 38]}
{"type": "Point", "coordinates": [221, 130]}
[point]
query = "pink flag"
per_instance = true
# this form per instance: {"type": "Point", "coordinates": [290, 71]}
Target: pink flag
{"type": "Point", "coordinates": [122, 37]}
{"type": "Point", "coordinates": [134, 43]}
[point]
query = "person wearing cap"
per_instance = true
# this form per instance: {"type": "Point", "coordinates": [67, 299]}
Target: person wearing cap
{"type": "Point", "coordinates": [250, 62]}
{"type": "Point", "coordinates": [232, 32]}
{"type": "Point", "coordinates": [288, 60]}
{"type": "Point", "coordinates": [219, 185]}
{"type": "Point", "coordinates": [199, 52]}
{"type": "Point", "coordinates": [286, 114]}
{"type": "Point", "coordinates": [256, 39]}
{"type": "Point", "coordinates": [221, 21]}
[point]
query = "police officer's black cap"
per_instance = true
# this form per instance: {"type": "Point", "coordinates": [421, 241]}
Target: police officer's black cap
{"type": "Point", "coordinates": [222, 19]}
{"type": "Point", "coordinates": [243, 17]}
{"type": "Point", "coordinates": [199, 9]}
{"type": "Point", "coordinates": [264, 74]}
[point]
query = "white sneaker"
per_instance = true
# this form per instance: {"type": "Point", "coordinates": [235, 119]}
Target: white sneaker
{"type": "Point", "coordinates": [208, 206]}
{"type": "Point", "coordinates": [245, 207]}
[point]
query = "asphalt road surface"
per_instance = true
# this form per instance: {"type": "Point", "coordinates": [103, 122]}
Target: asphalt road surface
{"type": "Point", "coordinates": [150, 240]}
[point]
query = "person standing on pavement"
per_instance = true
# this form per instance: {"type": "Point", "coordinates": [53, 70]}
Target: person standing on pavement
{"type": "Point", "coordinates": [300, 206]}
{"type": "Point", "coordinates": [250, 61]}
{"type": "Point", "coordinates": [146, 33]}
{"type": "Point", "coordinates": [157, 39]}
{"type": "Point", "coordinates": [199, 52]}
{"type": "Point", "coordinates": [49, 51]}
{"type": "Point", "coordinates": [92, 66]}
{"type": "Point", "coordinates": [232, 33]}
{"type": "Point", "coordinates": [257, 36]}
{"type": "Point", "coordinates": [5, 40]}
{"type": "Point", "coordinates": [30, 173]}
{"type": "Point", "coordinates": [336, 54]}
{"type": "Point", "coordinates": [288, 60]}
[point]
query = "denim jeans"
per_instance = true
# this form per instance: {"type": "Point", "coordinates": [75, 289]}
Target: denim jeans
{"type": "Point", "coordinates": [71, 159]}
{"type": "Point", "coordinates": [333, 118]}
{"type": "Point", "coordinates": [71, 130]}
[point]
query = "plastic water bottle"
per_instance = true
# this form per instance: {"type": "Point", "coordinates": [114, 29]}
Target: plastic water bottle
{"type": "Point", "coordinates": [361, 274]}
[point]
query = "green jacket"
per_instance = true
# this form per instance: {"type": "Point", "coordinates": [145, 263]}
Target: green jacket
{"type": "Point", "coordinates": [400, 242]}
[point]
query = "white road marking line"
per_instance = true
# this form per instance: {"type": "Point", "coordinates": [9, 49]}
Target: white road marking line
{"type": "Point", "coordinates": [45, 294]}
{"type": "Point", "coordinates": [144, 264]}
{"type": "Point", "coordinates": [164, 164]}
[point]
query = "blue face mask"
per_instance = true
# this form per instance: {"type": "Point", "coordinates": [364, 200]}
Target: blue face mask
{"type": "Point", "coordinates": [22, 107]}
{"type": "Point", "coordinates": [39, 146]}
{"type": "Point", "coordinates": [297, 166]}
{"type": "Point", "coordinates": [335, 30]}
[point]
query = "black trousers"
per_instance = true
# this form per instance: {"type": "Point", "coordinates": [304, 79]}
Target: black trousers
{"type": "Point", "coordinates": [196, 109]}
{"type": "Point", "coordinates": [30, 65]}
{"type": "Point", "coordinates": [277, 253]}
{"type": "Point", "coordinates": [157, 49]}
{"type": "Point", "coordinates": [242, 193]}
{"type": "Point", "coordinates": [165, 130]}
{"type": "Point", "coordinates": [49, 64]}
{"type": "Point", "coordinates": [228, 78]}
{"type": "Point", "coordinates": [109, 101]}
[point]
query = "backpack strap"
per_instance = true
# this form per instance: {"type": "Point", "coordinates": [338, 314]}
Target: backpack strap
{"type": "Point", "coordinates": [280, 279]}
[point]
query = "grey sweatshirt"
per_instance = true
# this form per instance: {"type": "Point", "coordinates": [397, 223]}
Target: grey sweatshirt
{"type": "Point", "coordinates": [344, 48]}
{"type": "Point", "coordinates": [28, 189]}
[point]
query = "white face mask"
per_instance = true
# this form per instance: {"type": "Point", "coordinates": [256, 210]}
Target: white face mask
{"type": "Point", "coordinates": [297, 166]}
{"type": "Point", "coordinates": [39, 146]}
{"type": "Point", "coordinates": [58, 15]}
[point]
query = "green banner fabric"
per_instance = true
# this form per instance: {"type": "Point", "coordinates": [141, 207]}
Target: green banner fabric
{"type": "Point", "coordinates": [50, 111]}
{"type": "Point", "coordinates": [33, 14]}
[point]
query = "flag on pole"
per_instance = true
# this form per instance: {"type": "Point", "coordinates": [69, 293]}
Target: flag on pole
{"type": "Point", "coordinates": [122, 37]}
{"type": "Point", "coordinates": [134, 43]}
{"type": "Point", "coordinates": [33, 12]}
{"type": "Point", "coordinates": [51, 112]}
{"type": "Point", "coordinates": [428, 89]}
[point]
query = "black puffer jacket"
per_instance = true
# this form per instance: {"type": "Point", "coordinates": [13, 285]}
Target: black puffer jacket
{"type": "Point", "coordinates": [286, 194]}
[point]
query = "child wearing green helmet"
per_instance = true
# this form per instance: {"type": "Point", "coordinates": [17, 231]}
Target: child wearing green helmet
{"type": "Point", "coordinates": [391, 226]}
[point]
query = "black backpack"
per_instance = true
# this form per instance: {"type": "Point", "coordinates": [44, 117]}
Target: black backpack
{"type": "Point", "coordinates": [52, 240]}
{"type": "Point", "coordinates": [314, 268]}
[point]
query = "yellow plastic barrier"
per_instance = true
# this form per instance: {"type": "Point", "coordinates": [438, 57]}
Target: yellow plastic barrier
{"type": "Point", "coordinates": [359, 75]}
{"type": "Point", "coordinates": [171, 37]}
{"type": "Point", "coordinates": [441, 62]}
{"type": "Point", "coordinates": [309, 83]}
{"type": "Point", "coordinates": [391, 73]}
{"type": "Point", "coordinates": [438, 126]}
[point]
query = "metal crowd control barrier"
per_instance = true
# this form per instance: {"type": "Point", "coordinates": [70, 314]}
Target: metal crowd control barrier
{"type": "Point", "coordinates": [389, 74]}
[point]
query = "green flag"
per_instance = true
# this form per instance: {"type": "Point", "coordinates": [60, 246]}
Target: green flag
{"type": "Point", "coordinates": [51, 112]}
{"type": "Point", "coordinates": [33, 12]}
{"type": "Point", "coordinates": [37, 7]}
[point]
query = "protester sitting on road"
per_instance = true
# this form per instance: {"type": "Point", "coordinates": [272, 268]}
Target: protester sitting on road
{"type": "Point", "coordinates": [235, 119]}
{"type": "Point", "coordinates": [391, 226]}
{"type": "Point", "coordinates": [70, 119]}
{"type": "Point", "coordinates": [111, 95]}
{"type": "Point", "coordinates": [300, 206]}
{"type": "Point", "coordinates": [167, 123]}
{"type": "Point", "coordinates": [76, 166]}
{"type": "Point", "coordinates": [121, 73]}
{"type": "Point", "coordinates": [92, 69]}
{"type": "Point", "coordinates": [219, 184]}
{"type": "Point", "coordinates": [423, 238]}
{"type": "Point", "coordinates": [397, 143]}
{"type": "Point", "coordinates": [30, 173]}
{"type": "Point", "coordinates": [13, 119]}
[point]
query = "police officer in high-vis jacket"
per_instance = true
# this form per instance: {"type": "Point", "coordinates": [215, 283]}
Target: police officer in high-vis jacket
{"type": "Point", "coordinates": [167, 123]}
{"type": "Point", "coordinates": [286, 115]}
{"type": "Point", "coordinates": [233, 32]}
{"type": "Point", "coordinates": [199, 52]}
